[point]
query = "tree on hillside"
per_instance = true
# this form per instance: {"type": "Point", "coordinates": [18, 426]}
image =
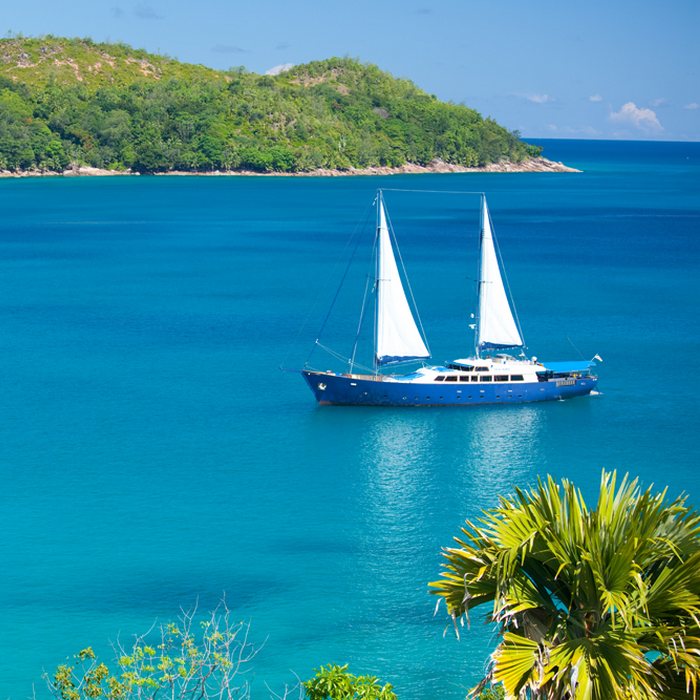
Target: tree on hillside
{"type": "Point", "coordinates": [110, 106]}
{"type": "Point", "coordinates": [591, 604]}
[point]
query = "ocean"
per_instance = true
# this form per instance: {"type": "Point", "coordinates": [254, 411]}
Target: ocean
{"type": "Point", "coordinates": [155, 457]}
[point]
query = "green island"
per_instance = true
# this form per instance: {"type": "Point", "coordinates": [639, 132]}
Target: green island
{"type": "Point", "coordinates": [66, 103]}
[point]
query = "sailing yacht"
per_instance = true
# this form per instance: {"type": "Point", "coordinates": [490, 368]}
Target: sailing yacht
{"type": "Point", "coordinates": [498, 372]}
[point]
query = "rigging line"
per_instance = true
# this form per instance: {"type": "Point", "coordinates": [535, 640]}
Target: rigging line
{"type": "Point", "coordinates": [367, 369]}
{"type": "Point", "coordinates": [342, 358]}
{"type": "Point", "coordinates": [361, 319]}
{"type": "Point", "coordinates": [408, 281]}
{"type": "Point", "coordinates": [575, 348]}
{"type": "Point", "coordinates": [331, 352]}
{"type": "Point", "coordinates": [398, 189]}
{"type": "Point", "coordinates": [505, 275]}
{"type": "Point", "coordinates": [356, 237]}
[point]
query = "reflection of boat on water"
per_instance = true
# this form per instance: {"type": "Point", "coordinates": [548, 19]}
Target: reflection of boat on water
{"type": "Point", "coordinates": [490, 376]}
{"type": "Point", "coordinates": [500, 448]}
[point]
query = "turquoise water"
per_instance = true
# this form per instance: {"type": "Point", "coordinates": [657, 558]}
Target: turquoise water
{"type": "Point", "coordinates": [153, 455]}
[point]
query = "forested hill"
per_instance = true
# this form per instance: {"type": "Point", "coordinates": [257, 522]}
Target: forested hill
{"type": "Point", "coordinates": [67, 101]}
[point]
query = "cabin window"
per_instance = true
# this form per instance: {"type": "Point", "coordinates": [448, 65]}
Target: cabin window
{"type": "Point", "coordinates": [453, 378]}
{"type": "Point", "coordinates": [500, 378]}
{"type": "Point", "coordinates": [464, 379]}
{"type": "Point", "coordinates": [516, 378]}
{"type": "Point", "coordinates": [475, 379]}
{"type": "Point", "coordinates": [441, 378]}
{"type": "Point", "coordinates": [481, 369]}
{"type": "Point", "coordinates": [486, 379]}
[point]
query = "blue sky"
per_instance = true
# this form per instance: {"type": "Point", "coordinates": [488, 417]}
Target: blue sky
{"type": "Point", "coordinates": [595, 69]}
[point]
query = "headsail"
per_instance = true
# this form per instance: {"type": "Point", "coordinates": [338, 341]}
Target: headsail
{"type": "Point", "coordinates": [398, 337]}
{"type": "Point", "coordinates": [497, 326]}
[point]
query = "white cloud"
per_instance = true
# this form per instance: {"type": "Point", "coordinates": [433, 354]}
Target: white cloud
{"type": "Point", "coordinates": [539, 99]}
{"type": "Point", "coordinates": [595, 98]}
{"type": "Point", "coordinates": [282, 68]}
{"type": "Point", "coordinates": [641, 118]}
{"type": "Point", "coordinates": [659, 102]}
{"type": "Point", "coordinates": [692, 105]}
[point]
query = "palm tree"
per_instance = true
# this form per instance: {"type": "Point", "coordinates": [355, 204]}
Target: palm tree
{"type": "Point", "coordinates": [592, 604]}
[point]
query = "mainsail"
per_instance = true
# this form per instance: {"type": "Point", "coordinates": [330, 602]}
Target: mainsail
{"type": "Point", "coordinates": [497, 326]}
{"type": "Point", "coordinates": [398, 337]}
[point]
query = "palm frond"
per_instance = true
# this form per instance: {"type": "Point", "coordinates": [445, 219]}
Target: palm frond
{"type": "Point", "coordinates": [599, 604]}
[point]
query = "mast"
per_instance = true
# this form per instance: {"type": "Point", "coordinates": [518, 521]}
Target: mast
{"type": "Point", "coordinates": [377, 262]}
{"type": "Point", "coordinates": [477, 354]}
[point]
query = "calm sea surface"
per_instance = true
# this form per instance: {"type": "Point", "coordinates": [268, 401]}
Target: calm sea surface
{"type": "Point", "coordinates": [153, 454]}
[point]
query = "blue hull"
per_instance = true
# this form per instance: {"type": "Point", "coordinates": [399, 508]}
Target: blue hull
{"type": "Point", "coordinates": [344, 390]}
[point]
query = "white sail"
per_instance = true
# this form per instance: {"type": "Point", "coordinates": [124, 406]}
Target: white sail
{"type": "Point", "coordinates": [398, 337]}
{"type": "Point", "coordinates": [497, 327]}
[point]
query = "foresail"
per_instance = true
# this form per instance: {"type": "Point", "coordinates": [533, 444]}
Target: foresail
{"type": "Point", "coordinates": [497, 326]}
{"type": "Point", "coordinates": [398, 337]}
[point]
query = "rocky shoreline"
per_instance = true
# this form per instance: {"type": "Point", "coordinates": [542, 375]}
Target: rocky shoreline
{"type": "Point", "coordinates": [531, 165]}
